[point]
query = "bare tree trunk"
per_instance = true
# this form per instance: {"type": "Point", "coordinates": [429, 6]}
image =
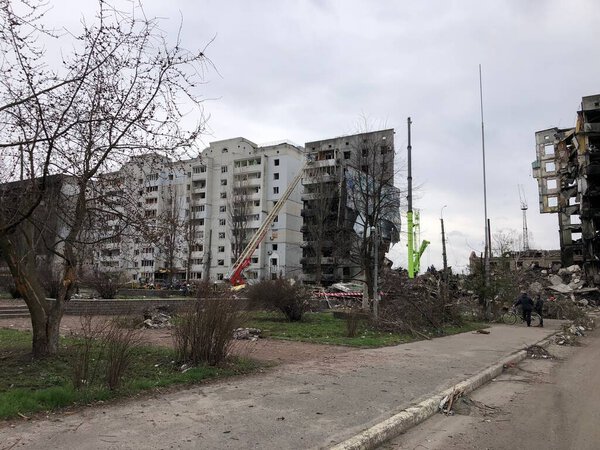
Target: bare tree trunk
{"type": "Point", "coordinates": [44, 315]}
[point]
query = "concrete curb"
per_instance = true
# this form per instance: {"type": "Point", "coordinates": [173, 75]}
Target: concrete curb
{"type": "Point", "coordinates": [408, 418]}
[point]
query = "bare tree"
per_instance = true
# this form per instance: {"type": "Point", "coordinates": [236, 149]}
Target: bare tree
{"type": "Point", "coordinates": [116, 95]}
{"type": "Point", "coordinates": [372, 203]}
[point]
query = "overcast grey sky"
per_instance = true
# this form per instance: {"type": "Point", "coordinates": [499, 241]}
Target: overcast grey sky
{"type": "Point", "coordinates": [307, 70]}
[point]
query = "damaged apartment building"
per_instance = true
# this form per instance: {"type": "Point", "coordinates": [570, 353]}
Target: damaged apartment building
{"type": "Point", "coordinates": [348, 192]}
{"type": "Point", "coordinates": [567, 168]}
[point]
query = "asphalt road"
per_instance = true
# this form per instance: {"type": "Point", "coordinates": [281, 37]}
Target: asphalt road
{"type": "Point", "coordinates": [540, 404]}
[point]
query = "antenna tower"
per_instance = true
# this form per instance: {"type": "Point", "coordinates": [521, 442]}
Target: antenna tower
{"type": "Point", "coordinates": [523, 201]}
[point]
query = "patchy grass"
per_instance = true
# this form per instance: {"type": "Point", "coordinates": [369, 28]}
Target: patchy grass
{"type": "Point", "coordinates": [28, 386]}
{"type": "Point", "coordinates": [323, 328]}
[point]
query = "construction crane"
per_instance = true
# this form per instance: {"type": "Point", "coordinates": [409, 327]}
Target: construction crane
{"type": "Point", "coordinates": [523, 201]}
{"type": "Point", "coordinates": [243, 261]}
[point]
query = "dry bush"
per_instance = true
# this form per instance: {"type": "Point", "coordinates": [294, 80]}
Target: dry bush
{"type": "Point", "coordinates": [422, 303]}
{"type": "Point", "coordinates": [287, 296]}
{"type": "Point", "coordinates": [106, 284]}
{"type": "Point", "coordinates": [87, 351]}
{"type": "Point", "coordinates": [119, 344]}
{"type": "Point", "coordinates": [103, 347]}
{"type": "Point", "coordinates": [205, 333]}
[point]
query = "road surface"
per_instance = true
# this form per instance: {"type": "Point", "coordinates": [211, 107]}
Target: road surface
{"type": "Point", "coordinates": [540, 404]}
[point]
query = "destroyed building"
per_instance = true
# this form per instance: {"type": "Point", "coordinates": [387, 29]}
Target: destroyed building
{"type": "Point", "coordinates": [348, 192]}
{"type": "Point", "coordinates": [567, 168]}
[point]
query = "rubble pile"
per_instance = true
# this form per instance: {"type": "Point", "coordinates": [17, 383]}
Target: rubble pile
{"type": "Point", "coordinates": [249, 334]}
{"type": "Point", "coordinates": [570, 335]}
{"type": "Point", "coordinates": [157, 318]}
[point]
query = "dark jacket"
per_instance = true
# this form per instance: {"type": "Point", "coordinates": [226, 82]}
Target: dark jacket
{"type": "Point", "coordinates": [525, 301]}
{"type": "Point", "coordinates": [539, 305]}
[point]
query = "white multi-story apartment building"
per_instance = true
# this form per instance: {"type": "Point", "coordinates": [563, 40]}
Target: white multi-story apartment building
{"type": "Point", "coordinates": [190, 219]}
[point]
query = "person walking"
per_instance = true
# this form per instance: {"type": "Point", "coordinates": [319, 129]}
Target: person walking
{"type": "Point", "coordinates": [526, 306]}
{"type": "Point", "coordinates": [539, 308]}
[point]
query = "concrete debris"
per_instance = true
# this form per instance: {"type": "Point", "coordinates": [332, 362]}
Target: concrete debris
{"type": "Point", "coordinates": [555, 280]}
{"type": "Point", "coordinates": [249, 334]}
{"type": "Point", "coordinates": [574, 268]}
{"type": "Point", "coordinates": [536, 287]}
{"type": "Point", "coordinates": [539, 352]}
{"type": "Point", "coordinates": [157, 318]}
{"type": "Point", "coordinates": [561, 288]}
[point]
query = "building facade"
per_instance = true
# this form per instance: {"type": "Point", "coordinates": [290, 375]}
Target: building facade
{"type": "Point", "coordinates": [348, 186]}
{"type": "Point", "coordinates": [567, 168]}
{"type": "Point", "coordinates": [190, 219]}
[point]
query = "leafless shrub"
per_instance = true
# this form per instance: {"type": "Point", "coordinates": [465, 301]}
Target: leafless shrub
{"type": "Point", "coordinates": [119, 344]}
{"type": "Point", "coordinates": [106, 284]}
{"type": "Point", "coordinates": [412, 305]}
{"type": "Point", "coordinates": [205, 333]}
{"type": "Point", "coordinates": [103, 347]}
{"type": "Point", "coordinates": [88, 350]}
{"type": "Point", "coordinates": [283, 295]}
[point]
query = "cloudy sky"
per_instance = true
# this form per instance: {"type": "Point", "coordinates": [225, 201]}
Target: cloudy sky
{"type": "Point", "coordinates": [307, 70]}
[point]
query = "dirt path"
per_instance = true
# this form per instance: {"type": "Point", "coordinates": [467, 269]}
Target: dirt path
{"type": "Point", "coordinates": [268, 350]}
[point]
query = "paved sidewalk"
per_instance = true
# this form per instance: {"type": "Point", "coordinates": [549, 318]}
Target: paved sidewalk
{"type": "Point", "coordinates": [314, 404]}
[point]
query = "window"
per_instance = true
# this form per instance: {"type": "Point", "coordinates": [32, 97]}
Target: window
{"type": "Point", "coordinates": [136, 252]}
{"type": "Point", "coordinates": [223, 169]}
{"type": "Point", "coordinates": [148, 250]}
{"type": "Point", "coordinates": [196, 261]}
{"type": "Point", "coordinates": [274, 247]}
{"type": "Point", "coordinates": [221, 249]}
{"type": "Point", "coordinates": [150, 213]}
{"type": "Point", "coordinates": [152, 177]}
{"type": "Point", "coordinates": [223, 194]}
{"type": "Point", "coordinates": [150, 201]}
{"type": "Point", "coordinates": [273, 261]}
{"type": "Point", "coordinates": [254, 260]}
{"type": "Point", "coordinates": [199, 208]}
{"type": "Point", "coordinates": [222, 208]}
{"type": "Point", "coordinates": [222, 235]}
{"type": "Point", "coordinates": [224, 150]}
{"type": "Point", "coordinates": [223, 182]}
{"type": "Point", "coordinates": [276, 176]}
{"type": "Point", "coordinates": [170, 176]}
{"type": "Point", "coordinates": [276, 219]}
{"type": "Point", "coordinates": [197, 248]}
{"type": "Point", "coordinates": [147, 262]}
{"type": "Point", "coordinates": [276, 190]}
{"type": "Point", "coordinates": [346, 155]}
{"type": "Point", "coordinates": [198, 169]}
{"type": "Point", "coordinates": [222, 222]}
{"type": "Point", "coordinates": [152, 189]}
{"type": "Point", "coordinates": [219, 276]}
{"type": "Point", "coordinates": [220, 262]}
{"type": "Point", "coordinates": [276, 162]}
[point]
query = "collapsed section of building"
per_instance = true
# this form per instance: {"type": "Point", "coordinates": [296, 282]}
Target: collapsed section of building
{"type": "Point", "coordinates": [567, 168]}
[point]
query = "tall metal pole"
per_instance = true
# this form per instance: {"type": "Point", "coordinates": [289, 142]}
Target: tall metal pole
{"type": "Point", "coordinates": [487, 252]}
{"type": "Point", "coordinates": [409, 213]}
{"type": "Point", "coordinates": [375, 236]}
{"type": "Point", "coordinates": [444, 258]}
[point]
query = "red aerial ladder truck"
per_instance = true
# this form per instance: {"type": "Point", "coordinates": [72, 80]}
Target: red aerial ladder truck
{"type": "Point", "coordinates": [235, 277]}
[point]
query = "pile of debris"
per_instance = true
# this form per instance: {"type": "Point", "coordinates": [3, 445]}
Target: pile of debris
{"type": "Point", "coordinates": [158, 317]}
{"type": "Point", "coordinates": [248, 334]}
{"type": "Point", "coordinates": [570, 335]}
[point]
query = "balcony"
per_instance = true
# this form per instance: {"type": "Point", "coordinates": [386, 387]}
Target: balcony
{"type": "Point", "coordinates": [318, 179]}
{"type": "Point", "coordinates": [312, 260]}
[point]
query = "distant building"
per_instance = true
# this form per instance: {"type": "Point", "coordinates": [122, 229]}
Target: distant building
{"type": "Point", "coordinates": [567, 168]}
{"type": "Point", "coordinates": [543, 259]}
{"type": "Point", "coordinates": [197, 215]}
{"type": "Point", "coordinates": [350, 178]}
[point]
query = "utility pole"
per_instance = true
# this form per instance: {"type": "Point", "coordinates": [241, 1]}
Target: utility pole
{"type": "Point", "coordinates": [375, 237]}
{"type": "Point", "coordinates": [409, 212]}
{"type": "Point", "coordinates": [444, 258]}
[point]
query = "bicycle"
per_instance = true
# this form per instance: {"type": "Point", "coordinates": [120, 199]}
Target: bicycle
{"type": "Point", "coordinates": [511, 316]}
